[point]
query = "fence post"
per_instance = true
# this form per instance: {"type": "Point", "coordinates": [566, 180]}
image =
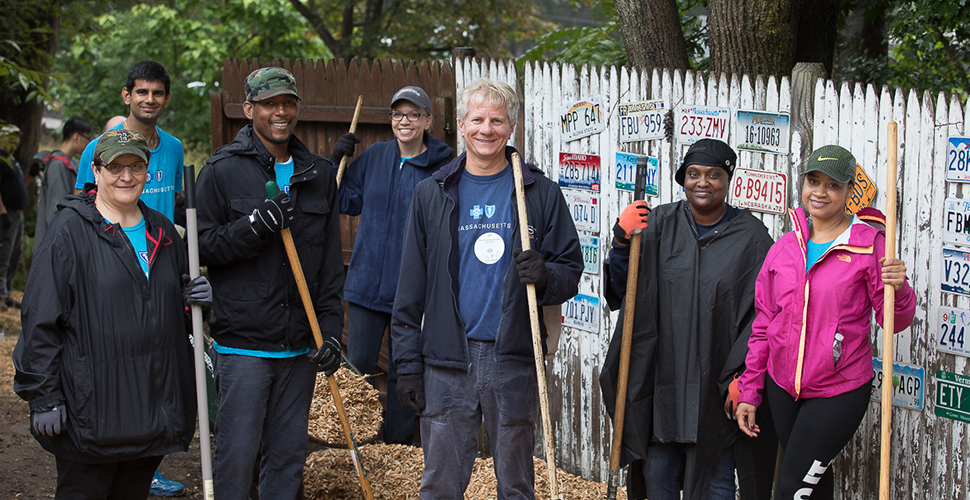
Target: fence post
{"type": "Point", "coordinates": [803, 79]}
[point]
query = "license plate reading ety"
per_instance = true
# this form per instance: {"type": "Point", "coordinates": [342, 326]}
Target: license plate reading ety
{"type": "Point", "coordinates": [955, 271]}
{"type": "Point", "coordinates": [582, 312]}
{"type": "Point", "coordinates": [585, 209]}
{"type": "Point", "coordinates": [952, 396]}
{"type": "Point", "coordinates": [580, 171]}
{"type": "Point", "coordinates": [626, 173]}
{"type": "Point", "coordinates": [642, 121]}
{"type": "Point", "coordinates": [956, 222]}
{"type": "Point", "coordinates": [958, 159]}
{"type": "Point", "coordinates": [763, 132]}
{"type": "Point", "coordinates": [701, 122]}
{"type": "Point", "coordinates": [591, 253]}
{"type": "Point", "coordinates": [582, 119]}
{"type": "Point", "coordinates": [952, 334]}
{"type": "Point", "coordinates": [759, 190]}
{"type": "Point", "coordinates": [908, 384]}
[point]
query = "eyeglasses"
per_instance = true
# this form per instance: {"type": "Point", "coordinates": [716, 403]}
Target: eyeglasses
{"type": "Point", "coordinates": [136, 169]}
{"type": "Point", "coordinates": [86, 137]}
{"type": "Point", "coordinates": [415, 116]}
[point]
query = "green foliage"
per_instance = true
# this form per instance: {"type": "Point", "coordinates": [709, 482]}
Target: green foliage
{"type": "Point", "coordinates": [192, 40]}
{"type": "Point", "coordinates": [25, 33]}
{"type": "Point", "coordinates": [931, 48]}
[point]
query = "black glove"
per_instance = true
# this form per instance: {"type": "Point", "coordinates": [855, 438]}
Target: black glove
{"type": "Point", "coordinates": [532, 267]}
{"type": "Point", "coordinates": [410, 391]}
{"type": "Point", "coordinates": [327, 357]}
{"type": "Point", "coordinates": [49, 422]}
{"type": "Point", "coordinates": [344, 147]}
{"type": "Point", "coordinates": [272, 216]}
{"type": "Point", "coordinates": [196, 291]}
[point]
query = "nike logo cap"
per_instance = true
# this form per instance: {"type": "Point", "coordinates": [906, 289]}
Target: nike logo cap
{"type": "Point", "coordinates": [833, 161]}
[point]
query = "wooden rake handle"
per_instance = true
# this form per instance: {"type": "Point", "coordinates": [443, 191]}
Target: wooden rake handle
{"type": "Point", "coordinates": [536, 335]}
{"type": "Point", "coordinates": [353, 128]}
{"type": "Point", "coordinates": [889, 319]}
{"type": "Point", "coordinates": [311, 314]}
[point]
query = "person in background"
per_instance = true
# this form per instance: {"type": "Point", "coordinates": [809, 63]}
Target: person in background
{"type": "Point", "coordinates": [13, 199]}
{"type": "Point", "coordinates": [59, 173]}
{"type": "Point", "coordinates": [104, 359]}
{"type": "Point", "coordinates": [809, 354]}
{"type": "Point", "coordinates": [147, 92]}
{"type": "Point", "coordinates": [694, 307]}
{"type": "Point", "coordinates": [378, 186]}
{"type": "Point", "coordinates": [113, 122]}
{"type": "Point", "coordinates": [460, 325]}
{"type": "Point", "coordinates": [267, 360]}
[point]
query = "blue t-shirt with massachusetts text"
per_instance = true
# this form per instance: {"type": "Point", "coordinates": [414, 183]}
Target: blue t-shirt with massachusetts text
{"type": "Point", "coordinates": [136, 235]}
{"type": "Point", "coordinates": [283, 173]}
{"type": "Point", "coordinates": [164, 167]}
{"type": "Point", "coordinates": [485, 232]}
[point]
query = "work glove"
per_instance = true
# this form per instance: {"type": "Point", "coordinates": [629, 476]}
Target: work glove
{"type": "Point", "coordinates": [634, 217]}
{"type": "Point", "coordinates": [344, 147]}
{"type": "Point", "coordinates": [272, 216]}
{"type": "Point", "coordinates": [49, 423]}
{"type": "Point", "coordinates": [532, 267]}
{"type": "Point", "coordinates": [327, 357]}
{"type": "Point", "coordinates": [731, 403]}
{"type": "Point", "coordinates": [410, 391]}
{"type": "Point", "coordinates": [196, 292]}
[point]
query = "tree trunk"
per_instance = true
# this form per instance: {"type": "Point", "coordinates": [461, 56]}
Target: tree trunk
{"type": "Point", "coordinates": [754, 37]}
{"type": "Point", "coordinates": [652, 34]}
{"type": "Point", "coordinates": [817, 32]}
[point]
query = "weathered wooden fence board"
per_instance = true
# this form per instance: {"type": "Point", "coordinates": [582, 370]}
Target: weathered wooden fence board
{"type": "Point", "coordinates": [928, 453]}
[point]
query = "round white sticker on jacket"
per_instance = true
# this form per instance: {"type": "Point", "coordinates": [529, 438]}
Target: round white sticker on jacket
{"type": "Point", "coordinates": [489, 248]}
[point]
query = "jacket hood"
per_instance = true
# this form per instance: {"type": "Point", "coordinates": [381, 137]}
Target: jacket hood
{"type": "Point", "coordinates": [247, 144]}
{"type": "Point", "coordinates": [437, 152]}
{"type": "Point", "coordinates": [447, 173]}
{"type": "Point", "coordinates": [83, 204]}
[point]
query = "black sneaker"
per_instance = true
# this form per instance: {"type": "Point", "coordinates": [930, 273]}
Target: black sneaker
{"type": "Point", "coordinates": [12, 303]}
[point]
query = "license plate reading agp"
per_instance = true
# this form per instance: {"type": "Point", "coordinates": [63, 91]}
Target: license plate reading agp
{"type": "Point", "coordinates": [908, 385]}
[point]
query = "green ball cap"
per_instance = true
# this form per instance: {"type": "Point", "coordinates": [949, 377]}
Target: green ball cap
{"type": "Point", "coordinates": [833, 161]}
{"type": "Point", "coordinates": [268, 82]}
{"type": "Point", "coordinates": [119, 141]}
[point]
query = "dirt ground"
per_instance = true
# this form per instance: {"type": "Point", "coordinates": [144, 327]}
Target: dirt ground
{"type": "Point", "coordinates": [28, 472]}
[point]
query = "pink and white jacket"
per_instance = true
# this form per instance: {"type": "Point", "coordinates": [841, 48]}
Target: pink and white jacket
{"type": "Point", "coordinates": [799, 314]}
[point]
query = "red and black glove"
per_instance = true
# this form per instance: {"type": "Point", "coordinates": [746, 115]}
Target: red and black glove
{"type": "Point", "coordinates": [633, 218]}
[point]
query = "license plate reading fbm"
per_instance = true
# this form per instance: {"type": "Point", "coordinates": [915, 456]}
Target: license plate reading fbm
{"type": "Point", "coordinates": [955, 271]}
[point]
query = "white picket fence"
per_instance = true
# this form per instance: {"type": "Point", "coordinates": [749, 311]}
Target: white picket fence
{"type": "Point", "coordinates": [929, 453]}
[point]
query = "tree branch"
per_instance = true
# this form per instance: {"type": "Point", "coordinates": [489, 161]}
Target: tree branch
{"type": "Point", "coordinates": [311, 14]}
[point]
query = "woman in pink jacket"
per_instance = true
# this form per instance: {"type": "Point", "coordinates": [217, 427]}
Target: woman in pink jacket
{"type": "Point", "coordinates": [814, 297]}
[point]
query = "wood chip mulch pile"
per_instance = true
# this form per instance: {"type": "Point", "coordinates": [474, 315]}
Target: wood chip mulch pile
{"type": "Point", "coordinates": [360, 402]}
{"type": "Point", "coordinates": [394, 472]}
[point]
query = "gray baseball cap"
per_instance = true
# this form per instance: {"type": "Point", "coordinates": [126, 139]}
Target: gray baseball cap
{"type": "Point", "coordinates": [414, 95]}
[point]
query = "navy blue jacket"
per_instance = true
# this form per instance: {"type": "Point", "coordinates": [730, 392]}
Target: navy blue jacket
{"type": "Point", "coordinates": [426, 326]}
{"type": "Point", "coordinates": [378, 189]}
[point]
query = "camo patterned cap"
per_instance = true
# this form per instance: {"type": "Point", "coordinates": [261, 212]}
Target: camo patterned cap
{"type": "Point", "coordinates": [120, 141]}
{"type": "Point", "coordinates": [268, 82]}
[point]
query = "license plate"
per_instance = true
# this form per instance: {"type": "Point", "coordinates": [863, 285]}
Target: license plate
{"type": "Point", "coordinates": [951, 335]}
{"type": "Point", "coordinates": [759, 190]}
{"type": "Point", "coordinates": [763, 132]}
{"type": "Point", "coordinates": [956, 222]}
{"type": "Point", "coordinates": [955, 271]}
{"type": "Point", "coordinates": [642, 121]}
{"type": "Point", "coordinates": [958, 159]}
{"type": "Point", "coordinates": [582, 119]}
{"type": "Point", "coordinates": [626, 173]}
{"type": "Point", "coordinates": [585, 209]}
{"type": "Point", "coordinates": [582, 312]}
{"type": "Point", "coordinates": [701, 122]}
{"type": "Point", "coordinates": [907, 385]}
{"type": "Point", "coordinates": [862, 193]}
{"type": "Point", "coordinates": [952, 396]}
{"type": "Point", "coordinates": [579, 171]}
{"type": "Point", "coordinates": [591, 253]}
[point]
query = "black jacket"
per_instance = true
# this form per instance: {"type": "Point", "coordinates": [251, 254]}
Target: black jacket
{"type": "Point", "coordinates": [426, 326]}
{"type": "Point", "coordinates": [106, 342]}
{"type": "Point", "coordinates": [256, 303]}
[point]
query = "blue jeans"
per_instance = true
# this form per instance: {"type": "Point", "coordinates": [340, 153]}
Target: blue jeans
{"type": "Point", "coordinates": [364, 337]}
{"type": "Point", "coordinates": [264, 406]}
{"type": "Point", "coordinates": [663, 468]}
{"type": "Point", "coordinates": [505, 394]}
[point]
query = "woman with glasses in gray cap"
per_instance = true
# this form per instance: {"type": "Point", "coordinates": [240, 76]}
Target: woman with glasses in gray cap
{"type": "Point", "coordinates": [104, 358]}
{"type": "Point", "coordinates": [809, 354]}
{"type": "Point", "coordinates": [378, 186]}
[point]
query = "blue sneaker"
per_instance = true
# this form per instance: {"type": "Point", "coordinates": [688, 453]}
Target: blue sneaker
{"type": "Point", "coordinates": [166, 488]}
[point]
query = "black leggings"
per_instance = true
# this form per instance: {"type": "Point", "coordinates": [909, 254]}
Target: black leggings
{"type": "Point", "coordinates": [813, 432]}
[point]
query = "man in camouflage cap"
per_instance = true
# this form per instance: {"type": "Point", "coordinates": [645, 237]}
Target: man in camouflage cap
{"type": "Point", "coordinates": [268, 360]}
